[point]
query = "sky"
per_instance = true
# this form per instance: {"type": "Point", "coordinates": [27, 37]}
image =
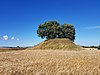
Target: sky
{"type": "Point", "coordinates": [19, 20]}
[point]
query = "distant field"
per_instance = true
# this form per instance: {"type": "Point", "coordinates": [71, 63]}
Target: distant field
{"type": "Point", "coordinates": [10, 49]}
{"type": "Point", "coordinates": [50, 62]}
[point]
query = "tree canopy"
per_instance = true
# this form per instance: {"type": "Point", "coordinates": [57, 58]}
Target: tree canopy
{"type": "Point", "coordinates": [52, 29]}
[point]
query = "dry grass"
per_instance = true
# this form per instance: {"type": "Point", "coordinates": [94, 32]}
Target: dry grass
{"type": "Point", "coordinates": [50, 62]}
{"type": "Point", "coordinates": [11, 49]}
{"type": "Point", "coordinates": [57, 44]}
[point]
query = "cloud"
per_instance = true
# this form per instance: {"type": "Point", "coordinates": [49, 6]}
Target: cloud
{"type": "Point", "coordinates": [17, 39]}
{"type": "Point", "coordinates": [5, 37]}
{"type": "Point", "coordinates": [92, 27]}
{"type": "Point", "coordinates": [12, 38]}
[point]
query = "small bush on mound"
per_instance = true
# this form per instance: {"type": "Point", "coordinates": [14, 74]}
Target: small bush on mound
{"type": "Point", "coordinates": [99, 47]}
{"type": "Point", "coordinates": [57, 44]}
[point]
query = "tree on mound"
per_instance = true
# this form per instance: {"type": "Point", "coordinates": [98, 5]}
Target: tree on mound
{"type": "Point", "coordinates": [48, 30]}
{"type": "Point", "coordinates": [52, 29]}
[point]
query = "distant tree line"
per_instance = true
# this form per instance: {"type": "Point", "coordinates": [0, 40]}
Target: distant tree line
{"type": "Point", "coordinates": [52, 29]}
{"type": "Point", "coordinates": [98, 47]}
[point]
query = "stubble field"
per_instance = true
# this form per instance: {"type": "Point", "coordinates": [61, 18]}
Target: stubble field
{"type": "Point", "coordinates": [50, 62]}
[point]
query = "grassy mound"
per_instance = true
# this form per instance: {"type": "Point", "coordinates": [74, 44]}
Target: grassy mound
{"type": "Point", "coordinates": [57, 44]}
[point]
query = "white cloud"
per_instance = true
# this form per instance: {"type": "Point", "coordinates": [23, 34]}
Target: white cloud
{"type": "Point", "coordinates": [5, 37]}
{"type": "Point", "coordinates": [17, 39]}
{"type": "Point", "coordinates": [12, 38]}
{"type": "Point", "coordinates": [92, 27]}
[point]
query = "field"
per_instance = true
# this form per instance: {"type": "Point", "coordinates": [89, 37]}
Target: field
{"type": "Point", "coordinates": [50, 62]}
{"type": "Point", "coordinates": [11, 49]}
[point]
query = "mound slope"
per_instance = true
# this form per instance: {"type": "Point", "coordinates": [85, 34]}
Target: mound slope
{"type": "Point", "coordinates": [57, 44]}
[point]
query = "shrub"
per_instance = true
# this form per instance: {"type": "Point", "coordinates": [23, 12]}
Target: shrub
{"type": "Point", "coordinates": [99, 47]}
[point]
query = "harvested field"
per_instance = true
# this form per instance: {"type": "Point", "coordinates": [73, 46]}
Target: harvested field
{"type": "Point", "coordinates": [50, 62]}
{"type": "Point", "coordinates": [10, 49]}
